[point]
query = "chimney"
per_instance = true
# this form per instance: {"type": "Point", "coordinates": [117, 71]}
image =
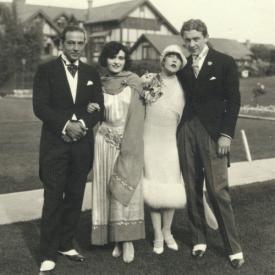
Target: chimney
{"type": "Point", "coordinates": [247, 44]}
{"type": "Point", "coordinates": [89, 10]}
{"type": "Point", "coordinates": [19, 6]}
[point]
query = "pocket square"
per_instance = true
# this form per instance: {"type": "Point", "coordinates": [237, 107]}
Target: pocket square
{"type": "Point", "coordinates": [212, 78]}
{"type": "Point", "coordinates": [90, 82]}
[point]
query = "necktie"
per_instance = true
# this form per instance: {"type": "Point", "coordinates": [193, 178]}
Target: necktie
{"type": "Point", "coordinates": [195, 66]}
{"type": "Point", "coordinates": [72, 68]}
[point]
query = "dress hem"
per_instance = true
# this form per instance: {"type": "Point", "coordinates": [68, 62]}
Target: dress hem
{"type": "Point", "coordinates": [157, 195]}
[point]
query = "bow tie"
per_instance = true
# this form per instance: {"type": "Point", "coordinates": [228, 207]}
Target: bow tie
{"type": "Point", "coordinates": [72, 68]}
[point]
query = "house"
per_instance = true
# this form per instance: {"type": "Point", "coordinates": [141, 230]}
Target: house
{"type": "Point", "coordinates": [150, 46]}
{"type": "Point", "coordinates": [124, 22]}
{"type": "Point", "coordinates": [52, 20]}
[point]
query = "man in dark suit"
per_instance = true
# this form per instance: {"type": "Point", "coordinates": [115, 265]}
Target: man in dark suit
{"type": "Point", "coordinates": [62, 90]}
{"type": "Point", "coordinates": [211, 84]}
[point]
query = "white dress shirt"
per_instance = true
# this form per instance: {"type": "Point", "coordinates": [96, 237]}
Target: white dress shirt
{"type": "Point", "coordinates": [72, 81]}
{"type": "Point", "coordinates": [198, 60]}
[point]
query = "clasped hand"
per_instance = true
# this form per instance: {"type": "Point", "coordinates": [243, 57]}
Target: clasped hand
{"type": "Point", "coordinates": [92, 107]}
{"type": "Point", "coordinates": [223, 146]}
{"type": "Point", "coordinates": [75, 130]}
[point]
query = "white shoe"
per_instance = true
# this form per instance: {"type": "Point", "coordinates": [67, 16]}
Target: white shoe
{"type": "Point", "coordinates": [117, 251]}
{"type": "Point", "coordinates": [171, 243]}
{"type": "Point", "coordinates": [158, 246]}
{"type": "Point", "coordinates": [47, 265]}
{"type": "Point", "coordinates": [128, 252]}
{"type": "Point", "coordinates": [71, 252]}
{"type": "Point", "coordinates": [199, 250]}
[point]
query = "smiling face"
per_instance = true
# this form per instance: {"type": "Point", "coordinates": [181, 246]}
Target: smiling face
{"type": "Point", "coordinates": [73, 45]}
{"type": "Point", "coordinates": [116, 64]}
{"type": "Point", "coordinates": [194, 41]}
{"type": "Point", "coordinates": [171, 63]}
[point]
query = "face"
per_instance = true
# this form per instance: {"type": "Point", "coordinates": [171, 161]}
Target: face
{"type": "Point", "coordinates": [171, 64]}
{"type": "Point", "coordinates": [194, 41]}
{"type": "Point", "coordinates": [73, 45]}
{"type": "Point", "coordinates": [116, 64]}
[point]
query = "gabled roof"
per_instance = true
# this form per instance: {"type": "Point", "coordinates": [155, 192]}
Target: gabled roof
{"type": "Point", "coordinates": [119, 11]}
{"type": "Point", "coordinates": [113, 12]}
{"type": "Point", "coordinates": [228, 46]}
{"type": "Point", "coordinates": [46, 17]}
{"type": "Point", "coordinates": [159, 42]}
{"type": "Point", "coordinates": [51, 11]}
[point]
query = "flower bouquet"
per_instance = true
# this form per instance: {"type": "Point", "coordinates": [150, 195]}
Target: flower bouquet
{"type": "Point", "coordinates": [151, 84]}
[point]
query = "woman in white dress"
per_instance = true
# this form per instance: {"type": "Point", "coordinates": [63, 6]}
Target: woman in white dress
{"type": "Point", "coordinates": [162, 181]}
{"type": "Point", "coordinates": [117, 199]}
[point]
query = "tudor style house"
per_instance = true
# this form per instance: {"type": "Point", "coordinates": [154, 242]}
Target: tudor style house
{"type": "Point", "coordinates": [137, 24]}
{"type": "Point", "coordinates": [125, 22]}
{"type": "Point", "coordinates": [155, 44]}
{"type": "Point", "coordinates": [52, 20]}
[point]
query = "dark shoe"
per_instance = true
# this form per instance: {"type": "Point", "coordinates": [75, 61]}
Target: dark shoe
{"type": "Point", "coordinates": [198, 253]}
{"type": "Point", "coordinates": [76, 258]}
{"type": "Point", "coordinates": [237, 263]}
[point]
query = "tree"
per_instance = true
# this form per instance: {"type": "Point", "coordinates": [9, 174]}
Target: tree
{"type": "Point", "coordinates": [262, 52]}
{"type": "Point", "coordinates": [20, 45]}
{"type": "Point", "coordinates": [7, 44]}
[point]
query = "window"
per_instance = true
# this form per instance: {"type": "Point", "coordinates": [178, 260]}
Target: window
{"type": "Point", "coordinates": [145, 52]}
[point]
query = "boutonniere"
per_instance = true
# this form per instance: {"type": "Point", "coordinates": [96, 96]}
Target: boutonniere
{"type": "Point", "coordinates": [124, 83]}
{"type": "Point", "coordinates": [90, 82]}
{"type": "Point", "coordinates": [209, 63]}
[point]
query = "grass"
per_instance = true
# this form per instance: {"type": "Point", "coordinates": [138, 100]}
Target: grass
{"type": "Point", "coordinates": [261, 139]}
{"type": "Point", "coordinates": [20, 133]}
{"type": "Point", "coordinates": [254, 207]}
{"type": "Point", "coordinates": [247, 85]}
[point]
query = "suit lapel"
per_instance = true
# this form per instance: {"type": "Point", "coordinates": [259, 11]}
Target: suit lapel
{"type": "Point", "coordinates": [81, 81]}
{"type": "Point", "coordinates": [61, 74]}
{"type": "Point", "coordinates": [206, 66]}
{"type": "Point", "coordinates": [189, 68]}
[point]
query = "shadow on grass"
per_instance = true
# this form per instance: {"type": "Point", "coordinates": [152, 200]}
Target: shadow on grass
{"type": "Point", "coordinates": [11, 184]}
{"type": "Point", "coordinates": [254, 207]}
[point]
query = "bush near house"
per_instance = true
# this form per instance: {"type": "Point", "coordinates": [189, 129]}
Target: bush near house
{"type": "Point", "coordinates": [143, 66]}
{"type": "Point", "coordinates": [20, 48]}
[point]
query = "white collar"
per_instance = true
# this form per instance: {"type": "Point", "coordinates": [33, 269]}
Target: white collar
{"type": "Point", "coordinates": [67, 62]}
{"type": "Point", "coordinates": [203, 53]}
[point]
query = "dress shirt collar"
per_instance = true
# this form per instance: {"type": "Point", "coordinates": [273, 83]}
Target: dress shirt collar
{"type": "Point", "coordinates": [67, 62]}
{"type": "Point", "coordinates": [203, 53]}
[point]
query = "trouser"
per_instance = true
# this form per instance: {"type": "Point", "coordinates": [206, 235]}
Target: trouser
{"type": "Point", "coordinates": [199, 161]}
{"type": "Point", "coordinates": [64, 171]}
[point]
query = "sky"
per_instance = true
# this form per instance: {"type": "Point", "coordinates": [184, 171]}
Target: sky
{"type": "Point", "coordinates": [242, 20]}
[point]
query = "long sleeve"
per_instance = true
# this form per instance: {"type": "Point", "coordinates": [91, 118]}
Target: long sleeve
{"type": "Point", "coordinates": [41, 102]}
{"type": "Point", "coordinates": [232, 98]}
{"type": "Point", "coordinates": [91, 119]}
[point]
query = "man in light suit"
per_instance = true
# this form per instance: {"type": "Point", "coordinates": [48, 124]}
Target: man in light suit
{"type": "Point", "coordinates": [211, 84]}
{"type": "Point", "coordinates": [62, 90]}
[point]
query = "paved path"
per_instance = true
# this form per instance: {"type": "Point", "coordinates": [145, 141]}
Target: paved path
{"type": "Point", "coordinates": [24, 206]}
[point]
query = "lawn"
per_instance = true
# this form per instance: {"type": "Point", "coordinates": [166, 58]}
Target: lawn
{"type": "Point", "coordinates": [247, 85]}
{"type": "Point", "coordinates": [254, 207]}
{"type": "Point", "coordinates": [20, 132]}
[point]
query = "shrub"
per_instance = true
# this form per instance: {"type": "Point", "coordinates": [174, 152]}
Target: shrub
{"type": "Point", "coordinates": [140, 67]}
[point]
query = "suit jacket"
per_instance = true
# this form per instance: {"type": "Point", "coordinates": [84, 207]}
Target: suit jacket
{"type": "Point", "coordinates": [53, 102]}
{"type": "Point", "coordinates": [214, 96]}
